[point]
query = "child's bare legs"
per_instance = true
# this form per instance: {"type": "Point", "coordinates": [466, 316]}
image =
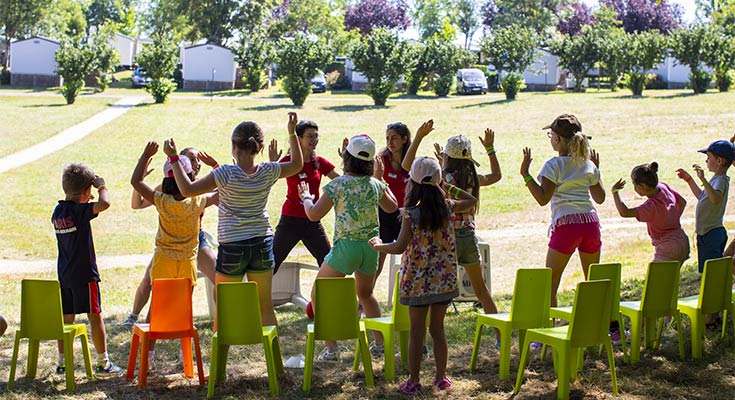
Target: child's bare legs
{"type": "Point", "coordinates": [474, 272]}
{"type": "Point", "coordinates": [417, 335]}
{"type": "Point", "coordinates": [439, 338]}
{"type": "Point", "coordinates": [206, 261]}
{"type": "Point", "coordinates": [381, 261]}
{"type": "Point", "coordinates": [143, 292]}
{"type": "Point", "coordinates": [264, 280]}
{"type": "Point", "coordinates": [365, 284]}
{"type": "Point", "coordinates": [68, 319]}
{"type": "Point", "coordinates": [556, 261]}
{"type": "Point", "coordinates": [325, 271]}
{"type": "Point", "coordinates": [99, 336]}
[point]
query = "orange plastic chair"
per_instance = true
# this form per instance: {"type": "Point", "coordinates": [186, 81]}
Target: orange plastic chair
{"type": "Point", "coordinates": [41, 318]}
{"type": "Point", "coordinates": [171, 318]}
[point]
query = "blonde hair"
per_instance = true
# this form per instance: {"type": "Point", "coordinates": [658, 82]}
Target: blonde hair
{"type": "Point", "coordinates": [579, 147]}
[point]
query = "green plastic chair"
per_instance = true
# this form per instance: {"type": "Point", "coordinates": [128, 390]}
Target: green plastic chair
{"type": "Point", "coordinates": [587, 327]}
{"type": "Point", "coordinates": [529, 309]}
{"type": "Point", "coordinates": [596, 272]}
{"type": "Point", "coordinates": [657, 301]}
{"type": "Point", "coordinates": [335, 318]}
{"type": "Point", "coordinates": [398, 321]}
{"type": "Point", "coordinates": [41, 318]}
{"type": "Point", "coordinates": [239, 323]}
{"type": "Point", "coordinates": [715, 295]}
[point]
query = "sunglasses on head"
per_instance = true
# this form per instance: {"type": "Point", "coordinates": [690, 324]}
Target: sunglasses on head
{"type": "Point", "coordinates": [395, 125]}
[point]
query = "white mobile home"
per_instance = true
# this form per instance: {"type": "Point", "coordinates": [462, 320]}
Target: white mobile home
{"type": "Point", "coordinates": [125, 46]}
{"type": "Point", "coordinates": [209, 67]}
{"type": "Point", "coordinates": [33, 62]}
{"type": "Point", "coordinates": [544, 73]}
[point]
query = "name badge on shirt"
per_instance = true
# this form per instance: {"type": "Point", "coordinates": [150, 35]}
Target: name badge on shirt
{"type": "Point", "coordinates": [302, 175]}
{"type": "Point", "coordinates": [393, 176]}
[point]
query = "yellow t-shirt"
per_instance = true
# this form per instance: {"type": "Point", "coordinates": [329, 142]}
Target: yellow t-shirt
{"type": "Point", "coordinates": [178, 225]}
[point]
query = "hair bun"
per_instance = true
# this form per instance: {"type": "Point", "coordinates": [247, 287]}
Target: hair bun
{"type": "Point", "coordinates": [653, 167]}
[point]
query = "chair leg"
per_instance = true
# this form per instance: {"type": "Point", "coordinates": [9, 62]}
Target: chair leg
{"type": "Point", "coordinates": [308, 362]}
{"type": "Point", "coordinates": [213, 359]}
{"type": "Point", "coordinates": [505, 335]}
{"type": "Point", "coordinates": [567, 358]}
{"type": "Point", "coordinates": [270, 363]}
{"type": "Point", "coordinates": [367, 360]}
{"type": "Point", "coordinates": [621, 327]}
{"type": "Point", "coordinates": [650, 333]}
{"type": "Point", "coordinates": [86, 356]}
{"type": "Point", "coordinates": [198, 352]}
{"type": "Point", "coordinates": [224, 350]}
{"type": "Point", "coordinates": [680, 335]}
{"type": "Point", "coordinates": [521, 365]}
{"type": "Point", "coordinates": [611, 362]}
{"type": "Point", "coordinates": [476, 347]}
{"type": "Point", "coordinates": [143, 370]}
{"type": "Point", "coordinates": [697, 334]}
{"type": "Point", "coordinates": [389, 359]}
{"type": "Point", "coordinates": [276, 346]}
{"type": "Point", "coordinates": [32, 358]}
{"type": "Point", "coordinates": [186, 354]}
{"type": "Point", "coordinates": [635, 339]}
{"type": "Point", "coordinates": [356, 358]}
{"type": "Point", "coordinates": [69, 361]}
{"type": "Point", "coordinates": [132, 356]}
{"type": "Point", "coordinates": [14, 361]}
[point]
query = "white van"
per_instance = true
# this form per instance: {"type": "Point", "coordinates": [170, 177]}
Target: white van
{"type": "Point", "coordinates": [471, 80]}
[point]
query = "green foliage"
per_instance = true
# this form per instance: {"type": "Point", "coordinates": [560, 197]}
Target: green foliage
{"type": "Point", "coordinates": [254, 52]}
{"type": "Point", "coordinates": [700, 80]}
{"type": "Point", "coordinates": [298, 60]}
{"type": "Point", "coordinates": [382, 58]}
{"type": "Point", "coordinates": [725, 80]}
{"type": "Point", "coordinates": [692, 46]}
{"type": "Point", "coordinates": [159, 61]}
{"type": "Point", "coordinates": [636, 82]}
{"type": "Point", "coordinates": [466, 19]}
{"type": "Point", "coordinates": [106, 56]}
{"type": "Point", "coordinates": [429, 16]}
{"type": "Point", "coordinates": [19, 17]}
{"type": "Point", "coordinates": [415, 76]}
{"type": "Point", "coordinates": [62, 19]}
{"type": "Point", "coordinates": [577, 53]}
{"type": "Point", "coordinates": [443, 59]}
{"type": "Point", "coordinates": [721, 57]}
{"type": "Point", "coordinates": [642, 52]}
{"type": "Point", "coordinates": [168, 17]}
{"type": "Point", "coordinates": [512, 84]}
{"type": "Point", "coordinates": [611, 42]}
{"type": "Point", "coordinates": [75, 60]}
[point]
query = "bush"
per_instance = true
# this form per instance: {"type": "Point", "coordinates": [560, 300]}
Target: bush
{"type": "Point", "coordinates": [382, 58]}
{"type": "Point", "coordinates": [160, 88]}
{"type": "Point", "coordinates": [725, 80]}
{"type": "Point", "coordinates": [512, 84]}
{"type": "Point", "coordinates": [254, 52]}
{"type": "Point", "coordinates": [106, 58]}
{"type": "Point", "coordinates": [700, 81]}
{"type": "Point", "coordinates": [636, 82]}
{"type": "Point", "coordinates": [4, 77]}
{"type": "Point", "coordinates": [74, 61]}
{"type": "Point", "coordinates": [159, 60]}
{"type": "Point", "coordinates": [299, 58]}
{"type": "Point", "coordinates": [443, 84]}
{"type": "Point", "coordinates": [655, 81]}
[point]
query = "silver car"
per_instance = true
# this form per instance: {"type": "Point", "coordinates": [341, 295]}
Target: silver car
{"type": "Point", "coordinates": [471, 80]}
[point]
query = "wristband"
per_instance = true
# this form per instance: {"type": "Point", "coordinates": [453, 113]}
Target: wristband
{"type": "Point", "coordinates": [309, 197]}
{"type": "Point", "coordinates": [490, 150]}
{"type": "Point", "coordinates": [216, 166]}
{"type": "Point", "coordinates": [615, 190]}
{"type": "Point", "coordinates": [456, 193]}
{"type": "Point", "coordinates": [527, 178]}
{"type": "Point", "coordinates": [292, 134]}
{"type": "Point", "coordinates": [173, 159]}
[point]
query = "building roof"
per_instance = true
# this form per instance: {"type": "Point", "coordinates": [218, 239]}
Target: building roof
{"type": "Point", "coordinates": [38, 37]}
{"type": "Point", "coordinates": [207, 44]}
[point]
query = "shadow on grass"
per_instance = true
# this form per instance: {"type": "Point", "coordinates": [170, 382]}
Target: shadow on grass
{"type": "Point", "coordinates": [269, 107]}
{"type": "Point", "coordinates": [45, 105]}
{"type": "Point", "coordinates": [484, 104]}
{"type": "Point", "coordinates": [353, 108]}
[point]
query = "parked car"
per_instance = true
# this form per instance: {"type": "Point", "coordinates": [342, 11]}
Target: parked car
{"type": "Point", "coordinates": [471, 80]}
{"type": "Point", "coordinates": [139, 78]}
{"type": "Point", "coordinates": [319, 83]}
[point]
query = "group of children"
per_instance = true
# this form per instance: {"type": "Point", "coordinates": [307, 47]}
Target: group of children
{"type": "Point", "coordinates": [397, 203]}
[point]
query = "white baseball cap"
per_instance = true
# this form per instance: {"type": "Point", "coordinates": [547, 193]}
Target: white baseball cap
{"type": "Point", "coordinates": [426, 167]}
{"type": "Point", "coordinates": [361, 147]}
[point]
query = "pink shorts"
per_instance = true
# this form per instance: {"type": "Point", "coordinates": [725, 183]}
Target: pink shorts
{"type": "Point", "coordinates": [672, 248]}
{"type": "Point", "coordinates": [583, 236]}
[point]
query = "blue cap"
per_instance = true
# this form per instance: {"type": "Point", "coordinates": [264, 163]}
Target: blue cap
{"type": "Point", "coordinates": [721, 148]}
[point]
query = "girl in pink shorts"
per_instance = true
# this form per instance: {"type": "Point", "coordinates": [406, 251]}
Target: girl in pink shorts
{"type": "Point", "coordinates": [567, 182]}
{"type": "Point", "coordinates": [661, 212]}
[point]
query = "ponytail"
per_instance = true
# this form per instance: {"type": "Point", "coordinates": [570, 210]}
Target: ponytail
{"type": "Point", "coordinates": [579, 147]}
{"type": "Point", "coordinates": [645, 174]}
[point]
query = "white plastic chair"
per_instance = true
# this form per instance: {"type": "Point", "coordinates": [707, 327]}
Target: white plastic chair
{"type": "Point", "coordinates": [286, 286]}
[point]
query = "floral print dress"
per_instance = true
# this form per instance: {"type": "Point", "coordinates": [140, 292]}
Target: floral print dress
{"type": "Point", "coordinates": [429, 264]}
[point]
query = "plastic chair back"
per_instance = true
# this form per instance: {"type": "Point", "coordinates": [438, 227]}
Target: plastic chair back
{"type": "Point", "coordinates": [531, 298]}
{"type": "Point", "coordinates": [661, 289]}
{"type": "Point", "coordinates": [238, 313]}
{"type": "Point", "coordinates": [171, 309]}
{"type": "Point", "coordinates": [590, 314]}
{"type": "Point", "coordinates": [612, 272]}
{"type": "Point", "coordinates": [335, 309]}
{"type": "Point", "coordinates": [41, 316]}
{"type": "Point", "coordinates": [399, 312]}
{"type": "Point", "coordinates": [716, 286]}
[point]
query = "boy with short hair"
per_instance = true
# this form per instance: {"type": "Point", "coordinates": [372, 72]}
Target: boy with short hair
{"type": "Point", "coordinates": [711, 234]}
{"type": "Point", "coordinates": [77, 263]}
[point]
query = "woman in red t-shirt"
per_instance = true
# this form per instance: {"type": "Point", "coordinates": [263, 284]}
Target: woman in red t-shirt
{"type": "Point", "coordinates": [294, 226]}
{"type": "Point", "coordinates": [388, 169]}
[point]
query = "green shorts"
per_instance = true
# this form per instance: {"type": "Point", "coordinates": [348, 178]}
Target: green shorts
{"type": "Point", "coordinates": [348, 256]}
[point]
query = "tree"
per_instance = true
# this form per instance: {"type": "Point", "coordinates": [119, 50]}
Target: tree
{"type": "Point", "coordinates": [367, 15]}
{"type": "Point", "coordinates": [466, 19]}
{"type": "Point", "coordinates": [690, 46]}
{"type": "Point", "coordinates": [166, 17]}
{"type": "Point", "coordinates": [577, 53]}
{"type": "Point", "coordinates": [646, 15]}
{"type": "Point", "coordinates": [213, 20]}
{"type": "Point", "coordinates": [312, 17]}
{"type": "Point", "coordinates": [541, 16]}
{"type": "Point", "coordinates": [420, 69]}
{"type": "Point", "coordinates": [62, 19]}
{"type": "Point", "coordinates": [254, 52]}
{"type": "Point", "coordinates": [444, 58]}
{"type": "Point", "coordinates": [74, 61]}
{"type": "Point", "coordinates": [382, 58]}
{"type": "Point", "coordinates": [101, 11]}
{"type": "Point", "coordinates": [611, 42]}
{"type": "Point", "coordinates": [159, 61]}
{"type": "Point", "coordinates": [511, 49]}
{"type": "Point", "coordinates": [580, 16]}
{"type": "Point", "coordinates": [428, 16]}
{"type": "Point", "coordinates": [643, 50]}
{"type": "Point", "coordinates": [721, 57]}
{"type": "Point", "coordinates": [18, 17]}
{"type": "Point", "coordinates": [106, 57]}
{"type": "Point", "coordinates": [298, 60]}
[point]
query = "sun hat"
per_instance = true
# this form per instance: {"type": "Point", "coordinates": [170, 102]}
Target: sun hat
{"type": "Point", "coordinates": [361, 147]}
{"type": "Point", "coordinates": [565, 125]}
{"type": "Point", "coordinates": [722, 148]}
{"type": "Point", "coordinates": [426, 167]}
{"type": "Point", "coordinates": [185, 164]}
{"type": "Point", "coordinates": [460, 147]}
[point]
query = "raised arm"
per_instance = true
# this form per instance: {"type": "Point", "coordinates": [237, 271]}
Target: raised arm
{"type": "Point", "coordinates": [684, 175]}
{"type": "Point", "coordinates": [186, 186]}
{"type": "Point", "coordinates": [714, 195]}
{"type": "Point", "coordinates": [488, 142]}
{"type": "Point", "coordinates": [463, 200]}
{"type": "Point", "coordinates": [623, 210]}
{"type": "Point", "coordinates": [103, 195]}
{"type": "Point", "coordinates": [542, 192]}
{"type": "Point", "coordinates": [388, 202]}
{"type": "Point", "coordinates": [421, 133]}
{"type": "Point", "coordinates": [139, 173]}
{"type": "Point", "coordinates": [294, 165]}
{"type": "Point", "coordinates": [597, 191]}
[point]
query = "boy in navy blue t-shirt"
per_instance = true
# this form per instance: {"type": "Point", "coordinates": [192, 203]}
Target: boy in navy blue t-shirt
{"type": "Point", "coordinates": [77, 263]}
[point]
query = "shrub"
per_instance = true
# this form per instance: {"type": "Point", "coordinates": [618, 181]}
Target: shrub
{"type": "Point", "coordinates": [692, 46]}
{"type": "Point", "coordinates": [636, 82]}
{"type": "Point", "coordinates": [725, 80]}
{"type": "Point", "coordinates": [74, 61]}
{"type": "Point", "coordinates": [159, 60]}
{"type": "Point", "coordinates": [299, 59]}
{"type": "Point", "coordinates": [512, 84]}
{"type": "Point", "coordinates": [4, 77]}
{"type": "Point", "coordinates": [701, 81]}
{"type": "Point", "coordinates": [577, 53]}
{"type": "Point", "coordinates": [106, 58]}
{"type": "Point", "coordinates": [254, 52]}
{"type": "Point", "coordinates": [511, 49]}
{"type": "Point", "coordinates": [382, 58]}
{"type": "Point", "coordinates": [642, 51]}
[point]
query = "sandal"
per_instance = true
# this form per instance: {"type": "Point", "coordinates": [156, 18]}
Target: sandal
{"type": "Point", "coordinates": [409, 388]}
{"type": "Point", "coordinates": [443, 384]}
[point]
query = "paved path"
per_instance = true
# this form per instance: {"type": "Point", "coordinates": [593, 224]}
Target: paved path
{"type": "Point", "coordinates": [68, 136]}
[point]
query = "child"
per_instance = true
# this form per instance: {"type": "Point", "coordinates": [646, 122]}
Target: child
{"type": "Point", "coordinates": [661, 212]}
{"type": "Point", "coordinates": [712, 199]}
{"type": "Point", "coordinates": [294, 225]}
{"type": "Point", "coordinates": [459, 169]}
{"type": "Point", "coordinates": [429, 265]}
{"type": "Point", "coordinates": [77, 262]}
{"type": "Point", "coordinates": [243, 232]}
{"type": "Point", "coordinates": [568, 181]}
{"type": "Point", "coordinates": [355, 196]}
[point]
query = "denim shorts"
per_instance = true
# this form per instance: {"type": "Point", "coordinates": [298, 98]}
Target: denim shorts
{"type": "Point", "coordinates": [202, 239]}
{"type": "Point", "coordinates": [710, 245]}
{"type": "Point", "coordinates": [468, 249]}
{"type": "Point", "coordinates": [251, 255]}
